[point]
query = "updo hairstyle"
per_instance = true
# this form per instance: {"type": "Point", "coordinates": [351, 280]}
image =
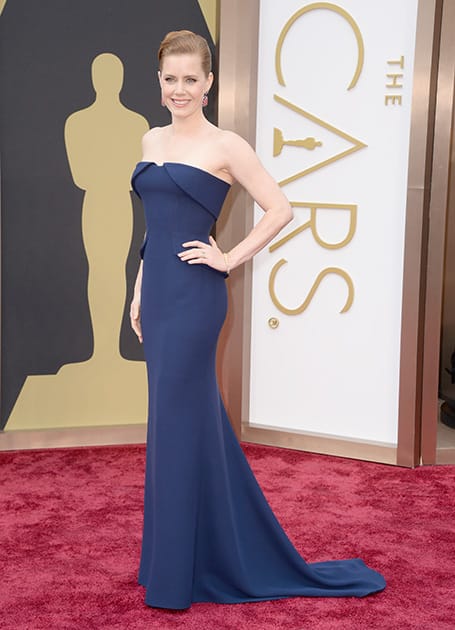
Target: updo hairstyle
{"type": "Point", "coordinates": [186, 43]}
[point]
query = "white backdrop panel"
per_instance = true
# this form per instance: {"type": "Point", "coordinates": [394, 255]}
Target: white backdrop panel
{"type": "Point", "coordinates": [321, 370]}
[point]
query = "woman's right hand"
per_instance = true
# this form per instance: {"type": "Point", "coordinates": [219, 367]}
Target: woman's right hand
{"type": "Point", "coordinates": [135, 317]}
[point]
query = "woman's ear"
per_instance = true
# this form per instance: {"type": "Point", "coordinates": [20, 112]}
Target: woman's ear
{"type": "Point", "coordinates": [209, 81]}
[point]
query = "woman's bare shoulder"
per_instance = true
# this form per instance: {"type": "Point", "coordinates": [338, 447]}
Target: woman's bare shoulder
{"type": "Point", "coordinates": [153, 132]}
{"type": "Point", "coordinates": [232, 144]}
{"type": "Point", "coordinates": [152, 140]}
{"type": "Point", "coordinates": [231, 140]}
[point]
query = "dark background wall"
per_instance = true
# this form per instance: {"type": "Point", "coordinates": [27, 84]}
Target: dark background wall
{"type": "Point", "coordinates": [46, 51]}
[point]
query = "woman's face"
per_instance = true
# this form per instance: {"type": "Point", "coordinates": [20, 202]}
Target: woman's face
{"type": "Point", "coordinates": [183, 84]}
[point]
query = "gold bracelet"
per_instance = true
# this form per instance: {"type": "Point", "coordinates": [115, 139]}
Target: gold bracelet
{"type": "Point", "coordinates": [226, 260]}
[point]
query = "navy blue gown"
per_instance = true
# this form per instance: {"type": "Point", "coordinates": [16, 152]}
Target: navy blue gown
{"type": "Point", "coordinates": [209, 534]}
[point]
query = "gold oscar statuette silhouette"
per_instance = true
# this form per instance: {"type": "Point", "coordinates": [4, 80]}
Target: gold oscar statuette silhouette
{"type": "Point", "coordinates": [103, 143]}
{"type": "Point", "coordinates": [279, 142]}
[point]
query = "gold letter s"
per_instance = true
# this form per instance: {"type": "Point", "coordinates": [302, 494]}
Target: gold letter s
{"type": "Point", "coordinates": [317, 282]}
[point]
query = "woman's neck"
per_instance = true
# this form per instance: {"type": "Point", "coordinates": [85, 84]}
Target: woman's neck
{"type": "Point", "coordinates": [189, 126]}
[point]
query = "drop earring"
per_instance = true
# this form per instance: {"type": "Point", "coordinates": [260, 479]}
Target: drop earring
{"type": "Point", "coordinates": [205, 100]}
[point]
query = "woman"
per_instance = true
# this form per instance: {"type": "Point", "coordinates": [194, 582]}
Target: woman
{"type": "Point", "coordinates": [209, 533]}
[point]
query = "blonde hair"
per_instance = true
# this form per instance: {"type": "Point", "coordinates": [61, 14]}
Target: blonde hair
{"type": "Point", "coordinates": [186, 43]}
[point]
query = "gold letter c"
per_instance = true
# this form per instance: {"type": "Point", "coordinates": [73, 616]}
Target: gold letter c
{"type": "Point", "coordinates": [312, 7]}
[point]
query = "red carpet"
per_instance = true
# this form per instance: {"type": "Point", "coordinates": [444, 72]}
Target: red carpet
{"type": "Point", "coordinates": [70, 527]}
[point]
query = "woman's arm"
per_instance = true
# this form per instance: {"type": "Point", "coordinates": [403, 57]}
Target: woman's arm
{"type": "Point", "coordinates": [135, 308]}
{"type": "Point", "coordinates": [244, 165]}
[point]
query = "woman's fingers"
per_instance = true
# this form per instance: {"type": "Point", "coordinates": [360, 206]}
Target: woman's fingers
{"type": "Point", "coordinates": [213, 242]}
{"type": "Point", "coordinates": [190, 253]}
{"type": "Point", "coordinates": [194, 244]}
{"type": "Point", "coordinates": [137, 329]}
{"type": "Point", "coordinates": [200, 253]}
{"type": "Point", "coordinates": [135, 318]}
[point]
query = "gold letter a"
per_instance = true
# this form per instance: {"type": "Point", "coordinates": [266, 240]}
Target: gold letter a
{"type": "Point", "coordinates": [357, 145]}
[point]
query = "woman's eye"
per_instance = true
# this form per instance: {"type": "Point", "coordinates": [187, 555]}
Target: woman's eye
{"type": "Point", "coordinates": [190, 80]}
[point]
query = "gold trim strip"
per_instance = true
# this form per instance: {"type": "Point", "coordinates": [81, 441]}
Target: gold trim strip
{"type": "Point", "coordinates": [78, 436]}
{"type": "Point", "coordinates": [440, 182]}
{"type": "Point", "coordinates": [237, 97]}
{"type": "Point", "coordinates": [322, 444]}
{"type": "Point", "coordinates": [423, 98]}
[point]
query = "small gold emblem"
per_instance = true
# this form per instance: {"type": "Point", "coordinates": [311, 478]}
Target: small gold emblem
{"type": "Point", "coordinates": [274, 322]}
